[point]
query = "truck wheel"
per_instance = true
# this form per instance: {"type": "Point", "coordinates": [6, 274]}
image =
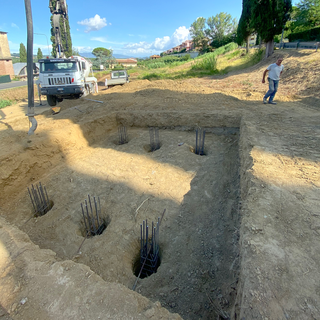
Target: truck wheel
{"type": "Point", "coordinates": [52, 100]}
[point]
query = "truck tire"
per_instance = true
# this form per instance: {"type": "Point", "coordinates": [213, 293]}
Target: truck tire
{"type": "Point", "coordinates": [52, 100]}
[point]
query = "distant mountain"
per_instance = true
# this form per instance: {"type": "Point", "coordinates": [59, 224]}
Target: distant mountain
{"type": "Point", "coordinates": [116, 55]}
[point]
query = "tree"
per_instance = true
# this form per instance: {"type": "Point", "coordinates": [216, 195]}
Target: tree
{"type": "Point", "coordinates": [244, 27]}
{"type": "Point", "coordinates": [101, 51]}
{"type": "Point", "coordinates": [64, 32]}
{"type": "Point", "coordinates": [308, 13]}
{"type": "Point", "coordinates": [269, 18]}
{"type": "Point", "coordinates": [221, 27]}
{"type": "Point", "coordinates": [23, 53]}
{"type": "Point", "coordinates": [103, 57]}
{"type": "Point", "coordinates": [197, 31]}
{"type": "Point", "coordinates": [39, 54]}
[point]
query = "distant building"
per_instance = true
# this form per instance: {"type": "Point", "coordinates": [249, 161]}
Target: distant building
{"type": "Point", "coordinates": [252, 39]}
{"type": "Point", "coordinates": [188, 45]}
{"type": "Point", "coordinates": [6, 67]}
{"type": "Point", "coordinates": [131, 62]}
{"type": "Point", "coordinates": [155, 56]}
{"type": "Point", "coordinates": [20, 69]}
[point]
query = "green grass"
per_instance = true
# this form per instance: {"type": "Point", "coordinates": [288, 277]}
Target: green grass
{"type": "Point", "coordinates": [233, 54]}
{"type": "Point", "coordinates": [5, 103]}
{"type": "Point", "coordinates": [242, 62]}
{"type": "Point", "coordinates": [222, 60]}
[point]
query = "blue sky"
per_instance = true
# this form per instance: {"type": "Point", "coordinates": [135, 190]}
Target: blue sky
{"type": "Point", "coordinates": [130, 28]}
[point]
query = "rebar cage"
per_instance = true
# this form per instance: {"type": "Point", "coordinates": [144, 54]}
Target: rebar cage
{"type": "Point", "coordinates": [40, 200]}
{"type": "Point", "coordinates": [149, 248]}
{"type": "Point", "coordinates": [91, 212]}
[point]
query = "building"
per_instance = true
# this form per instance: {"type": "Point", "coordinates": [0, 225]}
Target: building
{"type": "Point", "coordinates": [20, 69]}
{"type": "Point", "coordinates": [188, 45]}
{"type": "Point", "coordinates": [155, 56]}
{"type": "Point", "coordinates": [131, 62]}
{"type": "Point", "coordinates": [252, 39]}
{"type": "Point", "coordinates": [6, 67]}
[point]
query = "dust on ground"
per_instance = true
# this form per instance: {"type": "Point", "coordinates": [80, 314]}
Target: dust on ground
{"type": "Point", "coordinates": [240, 235]}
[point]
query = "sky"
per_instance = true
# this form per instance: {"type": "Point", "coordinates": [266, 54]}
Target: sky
{"type": "Point", "coordinates": [129, 28]}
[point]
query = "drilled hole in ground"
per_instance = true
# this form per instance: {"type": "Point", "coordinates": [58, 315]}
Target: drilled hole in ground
{"type": "Point", "coordinates": [144, 268]}
{"type": "Point", "coordinates": [149, 148]}
{"type": "Point", "coordinates": [44, 210]}
{"type": "Point", "coordinates": [98, 230]}
{"type": "Point", "coordinates": [198, 152]}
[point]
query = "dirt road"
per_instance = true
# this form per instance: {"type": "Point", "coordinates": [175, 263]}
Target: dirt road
{"type": "Point", "coordinates": [240, 235]}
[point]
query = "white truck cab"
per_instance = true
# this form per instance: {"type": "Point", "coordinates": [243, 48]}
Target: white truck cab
{"type": "Point", "coordinates": [65, 79]}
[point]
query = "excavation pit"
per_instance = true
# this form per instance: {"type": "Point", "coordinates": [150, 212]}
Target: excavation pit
{"type": "Point", "coordinates": [197, 229]}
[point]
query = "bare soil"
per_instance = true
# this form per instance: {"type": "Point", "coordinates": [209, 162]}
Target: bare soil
{"type": "Point", "coordinates": [240, 233]}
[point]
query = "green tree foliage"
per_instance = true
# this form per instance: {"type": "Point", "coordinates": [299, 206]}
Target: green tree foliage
{"type": "Point", "coordinates": [64, 32]}
{"type": "Point", "coordinates": [244, 27]}
{"type": "Point", "coordinates": [39, 54]}
{"type": "Point", "coordinates": [268, 18]}
{"type": "Point", "coordinates": [308, 13]}
{"type": "Point", "coordinates": [221, 28]}
{"type": "Point", "coordinates": [312, 34]}
{"type": "Point", "coordinates": [103, 57]}
{"type": "Point", "coordinates": [23, 53]}
{"type": "Point", "coordinates": [101, 51]}
{"type": "Point", "coordinates": [197, 31]}
{"type": "Point", "coordinates": [217, 30]}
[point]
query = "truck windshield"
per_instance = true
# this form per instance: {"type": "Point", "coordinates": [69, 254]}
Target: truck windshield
{"type": "Point", "coordinates": [49, 67]}
{"type": "Point", "coordinates": [118, 74]}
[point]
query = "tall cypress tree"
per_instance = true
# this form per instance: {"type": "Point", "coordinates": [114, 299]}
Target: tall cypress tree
{"type": "Point", "coordinates": [64, 32]}
{"type": "Point", "coordinates": [23, 53]}
{"type": "Point", "coordinates": [269, 18]}
{"type": "Point", "coordinates": [244, 27]}
{"type": "Point", "coordinates": [39, 54]}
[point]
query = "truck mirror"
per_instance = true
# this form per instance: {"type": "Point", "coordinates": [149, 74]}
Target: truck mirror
{"type": "Point", "coordinates": [83, 66]}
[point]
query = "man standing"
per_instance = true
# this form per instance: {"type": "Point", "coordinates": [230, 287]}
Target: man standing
{"type": "Point", "coordinates": [275, 71]}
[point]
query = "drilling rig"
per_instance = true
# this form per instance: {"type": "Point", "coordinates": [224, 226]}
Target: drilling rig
{"type": "Point", "coordinates": [61, 77]}
{"type": "Point", "coordinates": [60, 12]}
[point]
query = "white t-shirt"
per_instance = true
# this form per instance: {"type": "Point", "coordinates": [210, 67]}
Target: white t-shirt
{"type": "Point", "coordinates": [274, 71]}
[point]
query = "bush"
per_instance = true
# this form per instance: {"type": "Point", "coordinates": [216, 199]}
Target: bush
{"type": "Point", "coordinates": [156, 65]}
{"type": "Point", "coordinates": [153, 76]}
{"type": "Point", "coordinates": [307, 35]}
{"type": "Point", "coordinates": [207, 63]}
{"type": "Point", "coordinates": [5, 103]}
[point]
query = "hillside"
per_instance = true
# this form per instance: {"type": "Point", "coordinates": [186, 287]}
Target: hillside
{"type": "Point", "coordinates": [239, 238]}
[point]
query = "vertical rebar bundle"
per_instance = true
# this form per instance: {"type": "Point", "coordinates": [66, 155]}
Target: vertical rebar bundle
{"type": "Point", "coordinates": [149, 248]}
{"type": "Point", "coordinates": [200, 136]}
{"type": "Point", "coordinates": [154, 139]}
{"type": "Point", "coordinates": [122, 131]}
{"type": "Point", "coordinates": [93, 223]}
{"type": "Point", "coordinates": [39, 198]}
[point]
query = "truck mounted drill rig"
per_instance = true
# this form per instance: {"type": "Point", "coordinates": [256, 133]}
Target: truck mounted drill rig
{"type": "Point", "coordinates": [64, 78]}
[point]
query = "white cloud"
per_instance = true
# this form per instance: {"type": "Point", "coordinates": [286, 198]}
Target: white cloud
{"type": "Point", "coordinates": [13, 25]}
{"type": "Point", "coordinates": [83, 49]}
{"type": "Point", "coordinates": [44, 48]}
{"type": "Point", "coordinates": [100, 39]}
{"type": "Point", "coordinates": [105, 40]}
{"type": "Point", "coordinates": [159, 44]}
{"type": "Point", "coordinates": [93, 24]}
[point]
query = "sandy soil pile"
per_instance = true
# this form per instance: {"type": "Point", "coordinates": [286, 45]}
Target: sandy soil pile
{"type": "Point", "coordinates": [240, 234]}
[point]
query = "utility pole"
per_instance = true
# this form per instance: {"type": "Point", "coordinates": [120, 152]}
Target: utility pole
{"type": "Point", "coordinates": [30, 114]}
